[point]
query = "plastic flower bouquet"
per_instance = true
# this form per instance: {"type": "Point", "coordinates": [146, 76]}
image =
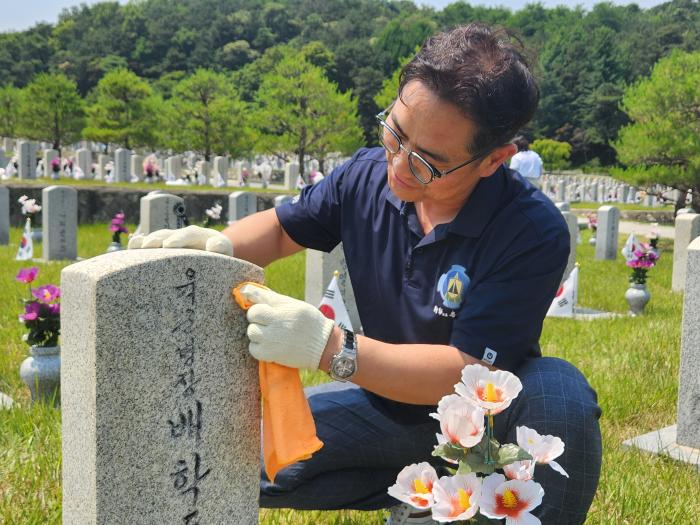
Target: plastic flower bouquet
{"type": "Point", "coordinates": [55, 164]}
{"type": "Point", "coordinates": [117, 227]}
{"type": "Point", "coordinates": [640, 262]}
{"type": "Point", "coordinates": [476, 492]}
{"type": "Point", "coordinates": [29, 206]}
{"type": "Point", "coordinates": [42, 311]}
{"type": "Point", "coordinates": [592, 221]}
{"type": "Point", "coordinates": [213, 214]}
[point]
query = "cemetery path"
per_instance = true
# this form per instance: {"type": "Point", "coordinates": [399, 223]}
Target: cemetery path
{"type": "Point", "coordinates": [638, 228]}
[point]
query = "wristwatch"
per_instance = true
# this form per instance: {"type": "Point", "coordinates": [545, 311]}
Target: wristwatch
{"type": "Point", "coordinates": [344, 363]}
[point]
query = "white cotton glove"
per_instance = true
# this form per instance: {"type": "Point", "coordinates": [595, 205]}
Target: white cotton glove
{"type": "Point", "coordinates": [285, 330]}
{"type": "Point", "coordinates": [193, 237]}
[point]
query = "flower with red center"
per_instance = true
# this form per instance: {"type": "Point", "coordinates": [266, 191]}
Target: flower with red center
{"type": "Point", "coordinates": [31, 311]}
{"type": "Point", "coordinates": [414, 485]}
{"type": "Point", "coordinates": [47, 294]}
{"type": "Point", "coordinates": [456, 497]}
{"type": "Point", "coordinates": [512, 500]}
{"type": "Point", "coordinates": [461, 422]}
{"type": "Point", "coordinates": [27, 275]}
{"type": "Point", "coordinates": [491, 390]}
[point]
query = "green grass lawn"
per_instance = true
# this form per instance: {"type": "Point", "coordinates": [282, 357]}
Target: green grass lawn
{"type": "Point", "coordinates": [631, 362]}
{"type": "Point", "coordinates": [619, 206]}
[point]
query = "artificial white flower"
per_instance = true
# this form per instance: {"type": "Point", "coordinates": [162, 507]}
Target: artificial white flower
{"type": "Point", "coordinates": [214, 212]}
{"type": "Point", "coordinates": [414, 485]}
{"type": "Point", "coordinates": [456, 497]}
{"type": "Point", "coordinates": [461, 422]}
{"type": "Point", "coordinates": [491, 390]}
{"type": "Point", "coordinates": [512, 500]}
{"type": "Point", "coordinates": [522, 470]}
{"type": "Point", "coordinates": [543, 449]}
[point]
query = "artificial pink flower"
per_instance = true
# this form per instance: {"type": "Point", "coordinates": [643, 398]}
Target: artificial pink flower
{"type": "Point", "coordinates": [414, 485]}
{"type": "Point", "coordinates": [456, 497]}
{"type": "Point", "coordinates": [31, 311]}
{"type": "Point", "coordinates": [543, 449]}
{"type": "Point", "coordinates": [461, 422]}
{"type": "Point", "coordinates": [522, 470]}
{"type": "Point", "coordinates": [47, 293]}
{"type": "Point", "coordinates": [27, 275]}
{"type": "Point", "coordinates": [491, 390]}
{"type": "Point", "coordinates": [512, 500]}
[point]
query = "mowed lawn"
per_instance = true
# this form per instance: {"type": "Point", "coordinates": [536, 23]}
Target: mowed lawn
{"type": "Point", "coordinates": [631, 362]}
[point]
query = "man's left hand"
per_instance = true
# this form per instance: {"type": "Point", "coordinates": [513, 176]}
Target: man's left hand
{"type": "Point", "coordinates": [285, 330]}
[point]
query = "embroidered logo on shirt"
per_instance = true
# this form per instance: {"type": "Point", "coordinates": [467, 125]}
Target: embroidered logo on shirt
{"type": "Point", "coordinates": [489, 356]}
{"type": "Point", "coordinates": [452, 286]}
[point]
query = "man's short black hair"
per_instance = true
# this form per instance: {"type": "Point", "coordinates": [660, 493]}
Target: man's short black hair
{"type": "Point", "coordinates": [522, 143]}
{"type": "Point", "coordinates": [482, 71]}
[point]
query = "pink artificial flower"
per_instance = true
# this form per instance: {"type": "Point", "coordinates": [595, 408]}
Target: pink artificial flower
{"type": "Point", "coordinates": [47, 293]}
{"type": "Point", "coordinates": [22, 199]}
{"type": "Point", "coordinates": [491, 390]}
{"type": "Point", "coordinates": [456, 497]}
{"type": "Point", "coordinates": [461, 421]}
{"type": "Point", "coordinates": [54, 308]}
{"type": "Point", "coordinates": [414, 485]}
{"type": "Point", "coordinates": [27, 275]}
{"type": "Point", "coordinates": [543, 449]}
{"type": "Point", "coordinates": [31, 311]}
{"type": "Point", "coordinates": [522, 470]}
{"type": "Point", "coordinates": [511, 500]}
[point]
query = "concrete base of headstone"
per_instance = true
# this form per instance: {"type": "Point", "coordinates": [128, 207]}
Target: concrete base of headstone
{"type": "Point", "coordinates": [160, 398]}
{"type": "Point", "coordinates": [591, 314]}
{"type": "Point", "coordinates": [6, 401]}
{"type": "Point", "coordinates": [663, 441]}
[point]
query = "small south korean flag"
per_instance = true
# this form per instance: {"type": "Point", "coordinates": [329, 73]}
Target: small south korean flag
{"type": "Point", "coordinates": [26, 246]}
{"type": "Point", "coordinates": [333, 306]}
{"type": "Point", "coordinates": [565, 300]}
{"type": "Point", "coordinates": [630, 246]}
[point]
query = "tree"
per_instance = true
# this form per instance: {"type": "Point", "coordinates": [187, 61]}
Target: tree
{"type": "Point", "coordinates": [390, 87]}
{"type": "Point", "coordinates": [123, 111]}
{"type": "Point", "coordinates": [51, 110]}
{"type": "Point", "coordinates": [207, 116]}
{"type": "Point", "coordinates": [555, 155]}
{"type": "Point", "coordinates": [9, 110]}
{"type": "Point", "coordinates": [300, 110]}
{"type": "Point", "coordinates": [662, 144]}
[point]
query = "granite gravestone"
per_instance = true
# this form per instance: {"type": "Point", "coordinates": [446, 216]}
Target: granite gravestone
{"type": "Point", "coordinates": [291, 174]}
{"type": "Point", "coordinates": [26, 161]}
{"type": "Point", "coordinates": [137, 167]}
{"type": "Point", "coordinates": [160, 397]}
{"type": "Point", "coordinates": [220, 175]}
{"type": "Point", "coordinates": [572, 225]}
{"type": "Point", "coordinates": [49, 155]}
{"type": "Point", "coordinates": [121, 165]}
{"type": "Point", "coordinates": [282, 199]}
{"type": "Point", "coordinates": [161, 211]}
{"type": "Point", "coordinates": [687, 229]}
{"type": "Point", "coordinates": [83, 158]}
{"type": "Point", "coordinates": [4, 215]}
{"type": "Point", "coordinates": [607, 233]}
{"type": "Point", "coordinates": [59, 216]}
{"type": "Point", "coordinates": [320, 267]}
{"type": "Point", "coordinates": [102, 161]}
{"type": "Point", "coordinates": [241, 204]}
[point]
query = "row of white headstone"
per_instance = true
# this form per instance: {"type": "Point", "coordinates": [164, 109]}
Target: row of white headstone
{"type": "Point", "coordinates": [601, 189]}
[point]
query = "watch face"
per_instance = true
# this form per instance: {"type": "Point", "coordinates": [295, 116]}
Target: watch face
{"type": "Point", "coordinates": [344, 367]}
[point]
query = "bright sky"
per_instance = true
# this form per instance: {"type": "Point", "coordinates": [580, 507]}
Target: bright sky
{"type": "Point", "coordinates": [14, 17]}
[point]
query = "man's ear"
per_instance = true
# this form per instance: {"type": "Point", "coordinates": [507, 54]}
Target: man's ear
{"type": "Point", "coordinates": [497, 157]}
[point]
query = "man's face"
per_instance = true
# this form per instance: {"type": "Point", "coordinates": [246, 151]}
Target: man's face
{"type": "Point", "coordinates": [438, 132]}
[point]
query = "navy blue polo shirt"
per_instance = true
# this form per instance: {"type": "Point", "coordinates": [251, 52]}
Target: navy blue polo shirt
{"type": "Point", "coordinates": [482, 283]}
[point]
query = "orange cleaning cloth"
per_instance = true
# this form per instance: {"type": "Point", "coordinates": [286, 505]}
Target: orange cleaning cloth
{"type": "Point", "coordinates": [289, 431]}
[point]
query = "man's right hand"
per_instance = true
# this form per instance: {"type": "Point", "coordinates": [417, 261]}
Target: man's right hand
{"type": "Point", "coordinates": [193, 237]}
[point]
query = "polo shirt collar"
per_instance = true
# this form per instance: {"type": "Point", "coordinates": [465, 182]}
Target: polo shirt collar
{"type": "Point", "coordinates": [477, 211]}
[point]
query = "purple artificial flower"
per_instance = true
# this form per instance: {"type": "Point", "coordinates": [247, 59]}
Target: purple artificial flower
{"type": "Point", "coordinates": [31, 311]}
{"type": "Point", "coordinates": [55, 164]}
{"type": "Point", "coordinates": [27, 275]}
{"type": "Point", "coordinates": [47, 293]}
{"type": "Point", "coordinates": [54, 309]}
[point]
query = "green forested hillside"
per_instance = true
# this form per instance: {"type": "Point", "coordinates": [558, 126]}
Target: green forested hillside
{"type": "Point", "coordinates": [584, 59]}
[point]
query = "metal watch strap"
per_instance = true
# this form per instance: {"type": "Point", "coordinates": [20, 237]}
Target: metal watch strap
{"type": "Point", "coordinates": [344, 363]}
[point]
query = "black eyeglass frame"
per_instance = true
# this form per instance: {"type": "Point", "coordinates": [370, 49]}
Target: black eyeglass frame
{"type": "Point", "coordinates": [434, 172]}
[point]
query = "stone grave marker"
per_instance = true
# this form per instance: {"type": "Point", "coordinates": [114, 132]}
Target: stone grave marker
{"type": "Point", "coordinates": [607, 233]}
{"type": "Point", "coordinates": [319, 272]}
{"type": "Point", "coordinates": [137, 167]}
{"type": "Point", "coordinates": [59, 218]}
{"type": "Point", "coordinates": [220, 172]}
{"type": "Point", "coordinates": [102, 161]}
{"type": "Point", "coordinates": [291, 173]}
{"type": "Point", "coordinates": [687, 229]}
{"type": "Point", "coordinates": [572, 225]}
{"type": "Point", "coordinates": [241, 204]}
{"type": "Point", "coordinates": [121, 165]}
{"type": "Point", "coordinates": [49, 155]}
{"type": "Point", "coordinates": [4, 215]}
{"type": "Point", "coordinates": [160, 211]}
{"type": "Point", "coordinates": [282, 199]}
{"type": "Point", "coordinates": [160, 397]}
{"type": "Point", "coordinates": [26, 160]}
{"type": "Point", "coordinates": [83, 158]}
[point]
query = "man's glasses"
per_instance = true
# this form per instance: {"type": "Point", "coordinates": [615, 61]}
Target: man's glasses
{"type": "Point", "coordinates": [421, 169]}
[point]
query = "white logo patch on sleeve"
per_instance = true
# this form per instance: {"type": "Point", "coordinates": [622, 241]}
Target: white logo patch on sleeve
{"type": "Point", "coordinates": [489, 356]}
